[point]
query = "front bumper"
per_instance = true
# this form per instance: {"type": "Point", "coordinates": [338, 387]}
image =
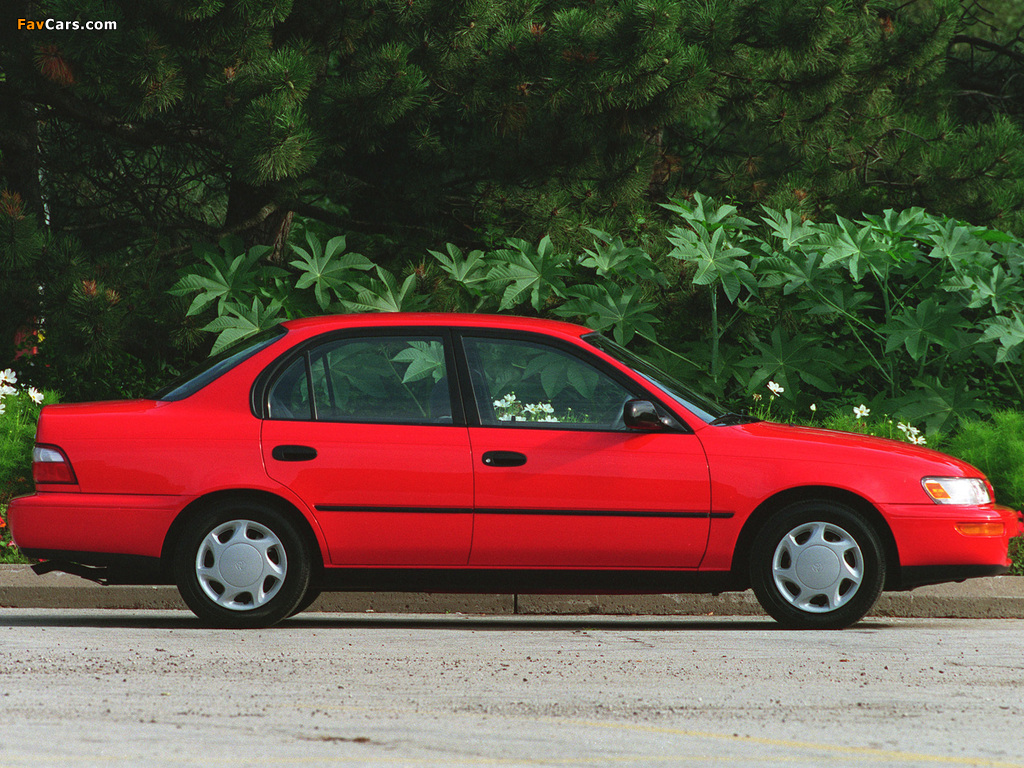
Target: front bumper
{"type": "Point", "coordinates": [931, 535]}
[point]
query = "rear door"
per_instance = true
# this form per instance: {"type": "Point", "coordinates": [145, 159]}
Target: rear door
{"type": "Point", "coordinates": [365, 429]}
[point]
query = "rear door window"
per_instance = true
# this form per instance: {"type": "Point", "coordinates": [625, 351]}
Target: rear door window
{"type": "Point", "coordinates": [378, 379]}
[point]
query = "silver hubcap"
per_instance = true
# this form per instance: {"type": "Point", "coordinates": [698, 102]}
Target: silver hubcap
{"type": "Point", "coordinates": [241, 565]}
{"type": "Point", "coordinates": [818, 567]}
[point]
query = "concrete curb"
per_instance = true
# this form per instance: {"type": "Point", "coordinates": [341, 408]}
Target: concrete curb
{"type": "Point", "coordinates": [1000, 597]}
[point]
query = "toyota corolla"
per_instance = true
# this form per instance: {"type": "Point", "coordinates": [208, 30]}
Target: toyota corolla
{"type": "Point", "coordinates": [469, 453]}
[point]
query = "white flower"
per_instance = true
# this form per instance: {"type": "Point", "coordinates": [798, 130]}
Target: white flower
{"type": "Point", "coordinates": [36, 395]}
{"type": "Point", "coordinates": [2, 407]}
{"type": "Point", "coordinates": [861, 410]}
{"type": "Point", "coordinates": [506, 401]}
{"type": "Point", "coordinates": [8, 377]}
{"type": "Point", "coordinates": [775, 388]}
{"type": "Point", "coordinates": [814, 408]}
{"type": "Point", "coordinates": [6, 390]}
{"type": "Point", "coordinates": [911, 433]}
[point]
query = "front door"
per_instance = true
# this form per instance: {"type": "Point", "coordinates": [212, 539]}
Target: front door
{"type": "Point", "coordinates": [560, 480]}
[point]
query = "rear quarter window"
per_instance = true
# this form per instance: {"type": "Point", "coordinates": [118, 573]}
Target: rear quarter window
{"type": "Point", "coordinates": [216, 366]}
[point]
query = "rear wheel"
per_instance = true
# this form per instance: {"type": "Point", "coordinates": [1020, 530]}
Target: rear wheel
{"type": "Point", "coordinates": [817, 565]}
{"type": "Point", "coordinates": [242, 564]}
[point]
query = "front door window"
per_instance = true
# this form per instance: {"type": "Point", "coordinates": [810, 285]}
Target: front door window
{"type": "Point", "coordinates": [519, 383]}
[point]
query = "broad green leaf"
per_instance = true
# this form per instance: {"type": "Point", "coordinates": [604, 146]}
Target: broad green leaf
{"type": "Point", "coordinates": [609, 306]}
{"type": "Point", "coordinates": [385, 295]}
{"type": "Point", "coordinates": [241, 321]}
{"type": "Point", "coordinates": [469, 270]}
{"type": "Point", "coordinates": [787, 359]}
{"type": "Point", "coordinates": [523, 269]}
{"type": "Point", "coordinates": [1008, 333]}
{"type": "Point", "coordinates": [425, 358]}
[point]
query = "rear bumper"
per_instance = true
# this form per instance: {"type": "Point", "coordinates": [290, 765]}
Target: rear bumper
{"type": "Point", "coordinates": [92, 523]}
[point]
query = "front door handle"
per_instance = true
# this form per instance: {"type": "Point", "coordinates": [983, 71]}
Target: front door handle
{"type": "Point", "coordinates": [293, 453]}
{"type": "Point", "coordinates": [504, 459]}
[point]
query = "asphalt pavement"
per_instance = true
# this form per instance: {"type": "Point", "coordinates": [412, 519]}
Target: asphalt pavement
{"type": "Point", "coordinates": [157, 689]}
{"type": "Point", "coordinates": [999, 597]}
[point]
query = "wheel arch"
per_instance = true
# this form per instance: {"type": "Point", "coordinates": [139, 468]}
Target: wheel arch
{"type": "Point", "coordinates": [196, 506]}
{"type": "Point", "coordinates": [773, 504]}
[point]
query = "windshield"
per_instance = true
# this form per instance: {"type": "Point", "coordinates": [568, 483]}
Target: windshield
{"type": "Point", "coordinates": [703, 408]}
{"type": "Point", "coordinates": [192, 381]}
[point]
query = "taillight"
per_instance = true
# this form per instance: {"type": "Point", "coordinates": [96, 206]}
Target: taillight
{"type": "Point", "coordinates": [50, 465]}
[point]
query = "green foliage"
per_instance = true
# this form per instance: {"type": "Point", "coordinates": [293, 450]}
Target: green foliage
{"type": "Point", "coordinates": [8, 551]}
{"type": "Point", "coordinates": [21, 255]}
{"type": "Point", "coordinates": [838, 108]}
{"type": "Point", "coordinates": [996, 447]}
{"type": "Point", "coordinates": [19, 412]}
{"type": "Point", "coordinates": [17, 433]}
{"type": "Point", "coordinates": [899, 310]}
{"type": "Point", "coordinates": [881, 426]}
{"type": "Point", "coordinates": [905, 312]}
{"type": "Point", "coordinates": [321, 270]}
{"type": "Point", "coordinates": [229, 275]}
{"type": "Point", "coordinates": [524, 270]}
{"type": "Point", "coordinates": [488, 125]}
{"type": "Point", "coordinates": [520, 277]}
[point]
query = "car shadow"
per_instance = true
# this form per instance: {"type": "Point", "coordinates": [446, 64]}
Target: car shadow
{"type": "Point", "coordinates": [183, 620]}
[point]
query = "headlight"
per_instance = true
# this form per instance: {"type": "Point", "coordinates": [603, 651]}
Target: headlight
{"type": "Point", "coordinates": [968, 491]}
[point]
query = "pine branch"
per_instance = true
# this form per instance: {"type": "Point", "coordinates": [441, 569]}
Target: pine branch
{"type": "Point", "coordinates": [91, 115]}
{"type": "Point", "coordinates": [980, 42]}
{"type": "Point", "coordinates": [251, 223]}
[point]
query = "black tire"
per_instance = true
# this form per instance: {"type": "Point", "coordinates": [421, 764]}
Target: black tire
{"type": "Point", "coordinates": [242, 564]}
{"type": "Point", "coordinates": [308, 599]}
{"type": "Point", "coordinates": [817, 565]}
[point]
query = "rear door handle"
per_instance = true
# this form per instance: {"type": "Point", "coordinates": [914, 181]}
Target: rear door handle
{"type": "Point", "coordinates": [293, 453]}
{"type": "Point", "coordinates": [504, 459]}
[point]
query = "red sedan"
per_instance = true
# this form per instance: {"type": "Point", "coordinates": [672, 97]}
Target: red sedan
{"type": "Point", "coordinates": [468, 453]}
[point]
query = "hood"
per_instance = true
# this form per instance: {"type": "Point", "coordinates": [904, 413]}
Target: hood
{"type": "Point", "coordinates": [853, 448]}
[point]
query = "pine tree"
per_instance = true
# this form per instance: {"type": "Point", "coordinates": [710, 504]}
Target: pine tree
{"type": "Point", "coordinates": [847, 107]}
{"type": "Point", "coordinates": [409, 124]}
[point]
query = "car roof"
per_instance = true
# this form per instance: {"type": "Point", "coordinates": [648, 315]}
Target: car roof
{"type": "Point", "coordinates": [435, 319]}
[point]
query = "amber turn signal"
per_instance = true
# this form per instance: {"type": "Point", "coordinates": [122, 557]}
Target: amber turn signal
{"type": "Point", "coordinates": [980, 529]}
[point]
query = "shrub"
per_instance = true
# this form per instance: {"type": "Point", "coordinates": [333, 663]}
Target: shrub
{"type": "Point", "coordinates": [996, 447]}
{"type": "Point", "coordinates": [19, 412]}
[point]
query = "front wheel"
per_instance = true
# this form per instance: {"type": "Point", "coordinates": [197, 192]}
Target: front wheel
{"type": "Point", "coordinates": [817, 565]}
{"type": "Point", "coordinates": [242, 565]}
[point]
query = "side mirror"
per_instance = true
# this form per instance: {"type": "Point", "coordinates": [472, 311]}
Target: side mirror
{"type": "Point", "coordinates": [641, 415]}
